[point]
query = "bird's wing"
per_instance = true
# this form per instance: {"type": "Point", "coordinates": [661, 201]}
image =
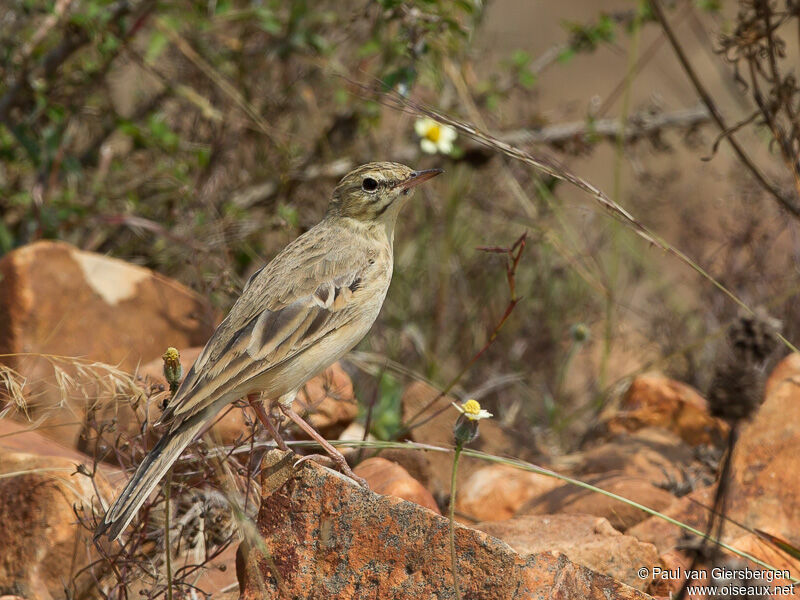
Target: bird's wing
{"type": "Point", "coordinates": [274, 321]}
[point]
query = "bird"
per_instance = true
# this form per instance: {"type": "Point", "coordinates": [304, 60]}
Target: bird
{"type": "Point", "coordinates": [296, 316]}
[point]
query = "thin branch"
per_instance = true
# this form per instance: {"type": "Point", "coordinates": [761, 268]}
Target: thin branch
{"type": "Point", "coordinates": [639, 126]}
{"type": "Point", "coordinates": [783, 200]}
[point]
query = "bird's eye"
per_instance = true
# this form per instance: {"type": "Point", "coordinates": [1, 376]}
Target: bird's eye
{"type": "Point", "coordinates": [369, 184]}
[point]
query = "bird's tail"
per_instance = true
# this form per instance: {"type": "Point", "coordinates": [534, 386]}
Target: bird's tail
{"type": "Point", "coordinates": [147, 476]}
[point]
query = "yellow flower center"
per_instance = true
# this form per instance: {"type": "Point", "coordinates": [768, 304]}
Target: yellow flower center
{"type": "Point", "coordinates": [171, 354]}
{"type": "Point", "coordinates": [471, 407]}
{"type": "Point", "coordinates": [434, 133]}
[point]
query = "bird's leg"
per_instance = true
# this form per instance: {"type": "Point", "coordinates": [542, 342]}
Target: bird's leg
{"type": "Point", "coordinates": [333, 452]}
{"type": "Point", "coordinates": [258, 406]}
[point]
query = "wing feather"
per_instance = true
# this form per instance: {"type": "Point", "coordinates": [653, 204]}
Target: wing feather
{"type": "Point", "coordinates": [271, 323]}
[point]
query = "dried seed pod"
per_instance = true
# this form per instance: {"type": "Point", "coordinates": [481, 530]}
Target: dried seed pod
{"type": "Point", "coordinates": [737, 386]}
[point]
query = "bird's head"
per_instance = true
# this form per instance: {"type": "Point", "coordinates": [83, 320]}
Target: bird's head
{"type": "Point", "coordinates": [376, 192]}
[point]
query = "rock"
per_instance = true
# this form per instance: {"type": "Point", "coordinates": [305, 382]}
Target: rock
{"type": "Point", "coordinates": [329, 401]}
{"type": "Point", "coordinates": [355, 432]}
{"type": "Point", "coordinates": [689, 510]}
{"type": "Point", "coordinates": [652, 453]}
{"type": "Point", "coordinates": [756, 546]}
{"type": "Point", "coordinates": [655, 401]}
{"type": "Point", "coordinates": [439, 431]}
{"type": "Point", "coordinates": [15, 437]}
{"type": "Point", "coordinates": [390, 479]}
{"type": "Point", "coordinates": [786, 369]}
{"type": "Point", "coordinates": [417, 464]}
{"type": "Point", "coordinates": [328, 538]}
{"type": "Point", "coordinates": [570, 499]}
{"type": "Point", "coordinates": [58, 300]}
{"type": "Point", "coordinates": [39, 534]}
{"type": "Point", "coordinates": [496, 492]}
{"type": "Point", "coordinates": [763, 488]}
{"type": "Point", "coordinates": [584, 539]}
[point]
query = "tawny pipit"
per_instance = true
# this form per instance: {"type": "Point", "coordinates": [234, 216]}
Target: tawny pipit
{"type": "Point", "coordinates": [296, 316]}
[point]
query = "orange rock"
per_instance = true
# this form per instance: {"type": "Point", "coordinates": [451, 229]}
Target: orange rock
{"type": "Point", "coordinates": [15, 437]}
{"type": "Point", "coordinates": [570, 499]}
{"type": "Point", "coordinates": [329, 538]}
{"type": "Point", "coordinates": [39, 533]}
{"type": "Point", "coordinates": [654, 401]}
{"type": "Point", "coordinates": [415, 462]}
{"type": "Point", "coordinates": [786, 369]}
{"type": "Point", "coordinates": [652, 453]}
{"type": "Point", "coordinates": [390, 479]}
{"type": "Point", "coordinates": [756, 546]}
{"type": "Point", "coordinates": [763, 487]}
{"type": "Point", "coordinates": [58, 300]}
{"type": "Point", "coordinates": [496, 492]}
{"type": "Point", "coordinates": [329, 401]}
{"type": "Point", "coordinates": [689, 510]}
{"type": "Point", "coordinates": [586, 540]}
{"type": "Point", "coordinates": [676, 562]}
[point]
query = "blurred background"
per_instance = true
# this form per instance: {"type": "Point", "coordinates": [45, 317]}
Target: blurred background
{"type": "Point", "coordinates": [198, 138]}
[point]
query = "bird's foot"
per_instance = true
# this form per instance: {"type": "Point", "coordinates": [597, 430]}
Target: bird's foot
{"type": "Point", "coordinates": [322, 459]}
{"type": "Point", "coordinates": [332, 463]}
{"type": "Point", "coordinates": [332, 452]}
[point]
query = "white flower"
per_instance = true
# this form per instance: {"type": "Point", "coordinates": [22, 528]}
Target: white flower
{"type": "Point", "coordinates": [434, 137]}
{"type": "Point", "coordinates": [472, 410]}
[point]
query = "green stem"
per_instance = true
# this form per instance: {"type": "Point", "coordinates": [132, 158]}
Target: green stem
{"type": "Point", "coordinates": [616, 227]}
{"type": "Point", "coordinates": [167, 548]}
{"type": "Point", "coordinates": [456, 456]}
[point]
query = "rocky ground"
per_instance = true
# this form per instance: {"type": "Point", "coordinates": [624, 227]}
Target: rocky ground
{"type": "Point", "coordinates": [315, 534]}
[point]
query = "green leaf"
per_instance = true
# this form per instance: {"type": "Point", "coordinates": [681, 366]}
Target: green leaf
{"type": "Point", "coordinates": [566, 55]}
{"type": "Point", "coordinates": [155, 46]}
{"type": "Point", "coordinates": [520, 58]}
{"type": "Point", "coordinates": [203, 156]}
{"type": "Point", "coordinates": [161, 132]}
{"type": "Point", "coordinates": [268, 21]}
{"type": "Point", "coordinates": [289, 214]}
{"type": "Point", "coordinates": [371, 48]}
{"type": "Point", "coordinates": [712, 6]}
{"type": "Point", "coordinates": [6, 239]}
{"type": "Point", "coordinates": [387, 413]}
{"type": "Point", "coordinates": [526, 79]}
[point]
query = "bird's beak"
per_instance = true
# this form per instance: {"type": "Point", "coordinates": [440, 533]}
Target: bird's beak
{"type": "Point", "coordinates": [418, 177]}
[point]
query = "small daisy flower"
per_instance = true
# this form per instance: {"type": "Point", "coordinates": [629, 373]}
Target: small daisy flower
{"type": "Point", "coordinates": [434, 137]}
{"type": "Point", "coordinates": [472, 410]}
